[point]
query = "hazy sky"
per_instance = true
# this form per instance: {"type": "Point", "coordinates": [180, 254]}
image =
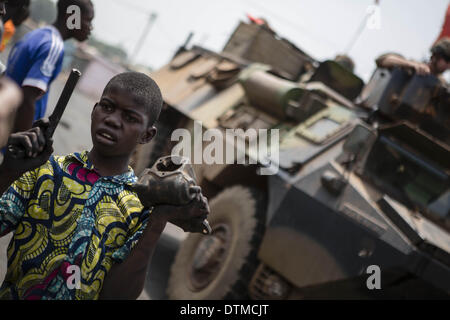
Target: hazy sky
{"type": "Point", "coordinates": [323, 28]}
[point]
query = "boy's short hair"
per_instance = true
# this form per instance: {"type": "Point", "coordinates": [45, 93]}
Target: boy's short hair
{"type": "Point", "coordinates": [144, 90]}
{"type": "Point", "coordinates": [64, 4]}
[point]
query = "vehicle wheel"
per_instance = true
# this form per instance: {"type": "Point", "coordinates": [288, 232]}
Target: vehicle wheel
{"type": "Point", "coordinates": [220, 266]}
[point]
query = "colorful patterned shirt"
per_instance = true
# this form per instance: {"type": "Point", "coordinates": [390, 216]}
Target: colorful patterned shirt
{"type": "Point", "coordinates": [67, 218]}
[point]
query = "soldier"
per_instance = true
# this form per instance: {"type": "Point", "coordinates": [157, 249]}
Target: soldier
{"type": "Point", "coordinates": [437, 65]}
{"type": "Point", "coordinates": [345, 61]}
{"type": "Point", "coordinates": [435, 117]}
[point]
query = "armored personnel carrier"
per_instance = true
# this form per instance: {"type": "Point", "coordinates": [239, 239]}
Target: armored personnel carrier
{"type": "Point", "coordinates": [302, 221]}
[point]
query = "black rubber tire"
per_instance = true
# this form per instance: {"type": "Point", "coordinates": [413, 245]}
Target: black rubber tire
{"type": "Point", "coordinates": [243, 211]}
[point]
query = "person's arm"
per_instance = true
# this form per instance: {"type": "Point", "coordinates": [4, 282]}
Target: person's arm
{"type": "Point", "coordinates": [18, 177]}
{"type": "Point", "coordinates": [25, 114]}
{"type": "Point", "coordinates": [38, 149]}
{"type": "Point", "coordinates": [126, 280]}
{"type": "Point", "coordinates": [6, 179]}
{"type": "Point", "coordinates": [11, 98]}
{"type": "Point", "coordinates": [390, 61]}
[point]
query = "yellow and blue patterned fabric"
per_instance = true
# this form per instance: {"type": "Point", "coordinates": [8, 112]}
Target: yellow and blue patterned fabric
{"type": "Point", "coordinates": [66, 217]}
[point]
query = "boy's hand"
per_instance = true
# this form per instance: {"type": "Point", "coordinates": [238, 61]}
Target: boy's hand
{"type": "Point", "coordinates": [37, 146]}
{"type": "Point", "coordinates": [189, 217]}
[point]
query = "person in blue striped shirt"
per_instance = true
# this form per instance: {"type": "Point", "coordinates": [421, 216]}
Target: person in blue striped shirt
{"type": "Point", "coordinates": [36, 60]}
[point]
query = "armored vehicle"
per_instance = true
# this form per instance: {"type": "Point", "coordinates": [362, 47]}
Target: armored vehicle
{"type": "Point", "coordinates": [300, 221]}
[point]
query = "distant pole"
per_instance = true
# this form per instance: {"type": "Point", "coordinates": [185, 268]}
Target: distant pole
{"type": "Point", "coordinates": [151, 19]}
{"type": "Point", "coordinates": [183, 48]}
{"type": "Point", "coordinates": [357, 34]}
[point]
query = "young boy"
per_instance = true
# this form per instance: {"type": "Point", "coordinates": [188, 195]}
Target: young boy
{"type": "Point", "coordinates": [78, 212]}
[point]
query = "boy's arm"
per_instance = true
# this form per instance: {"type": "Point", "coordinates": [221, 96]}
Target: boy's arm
{"type": "Point", "coordinates": [126, 280]}
{"type": "Point", "coordinates": [11, 98]}
{"type": "Point", "coordinates": [17, 177]}
{"type": "Point", "coordinates": [38, 149]}
{"type": "Point", "coordinates": [6, 179]}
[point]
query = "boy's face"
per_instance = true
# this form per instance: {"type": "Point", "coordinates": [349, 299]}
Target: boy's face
{"type": "Point", "coordinates": [119, 124]}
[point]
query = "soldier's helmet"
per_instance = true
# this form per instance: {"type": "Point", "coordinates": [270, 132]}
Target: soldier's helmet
{"type": "Point", "coordinates": [345, 61]}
